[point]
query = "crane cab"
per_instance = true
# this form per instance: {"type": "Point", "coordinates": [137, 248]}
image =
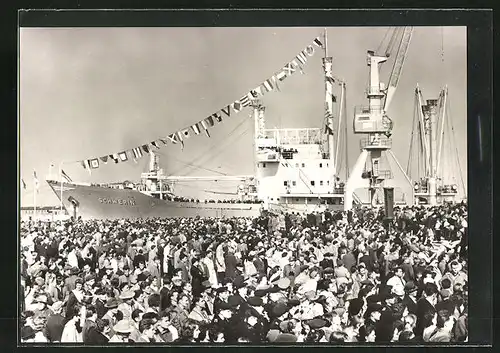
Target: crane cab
{"type": "Point", "coordinates": [367, 121]}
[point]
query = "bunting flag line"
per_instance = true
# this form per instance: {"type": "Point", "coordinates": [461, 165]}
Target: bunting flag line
{"type": "Point", "coordinates": [245, 101]}
{"type": "Point", "coordinates": [297, 65]}
{"type": "Point", "coordinates": [114, 157]}
{"type": "Point", "coordinates": [155, 144]}
{"type": "Point", "coordinates": [204, 124]}
{"type": "Point", "coordinates": [23, 183]}
{"type": "Point", "coordinates": [210, 121]}
{"type": "Point", "coordinates": [123, 156]}
{"type": "Point", "coordinates": [94, 163]}
{"type": "Point", "coordinates": [137, 152]}
{"type": "Point", "coordinates": [227, 110]}
{"type": "Point", "coordinates": [258, 91]}
{"type": "Point", "coordinates": [86, 165]}
{"type": "Point", "coordinates": [289, 69]}
{"type": "Point", "coordinates": [217, 117]}
{"type": "Point", "coordinates": [179, 136]}
{"type": "Point", "coordinates": [66, 176]}
{"type": "Point", "coordinates": [185, 133]}
{"type": "Point", "coordinates": [196, 129]}
{"type": "Point", "coordinates": [309, 50]}
{"type": "Point", "coordinates": [236, 106]}
{"type": "Point", "coordinates": [281, 75]}
{"type": "Point", "coordinates": [173, 138]}
{"type": "Point", "coordinates": [271, 84]}
{"type": "Point", "coordinates": [268, 85]}
{"type": "Point", "coordinates": [302, 57]}
{"type": "Point", "coordinates": [318, 42]}
{"type": "Point", "coordinates": [253, 94]}
{"type": "Point", "coordinates": [328, 130]}
{"type": "Point", "coordinates": [275, 81]}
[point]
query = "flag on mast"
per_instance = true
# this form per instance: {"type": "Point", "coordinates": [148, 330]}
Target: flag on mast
{"type": "Point", "coordinates": [35, 181]}
{"type": "Point", "coordinates": [66, 176]}
{"type": "Point", "coordinates": [24, 184]}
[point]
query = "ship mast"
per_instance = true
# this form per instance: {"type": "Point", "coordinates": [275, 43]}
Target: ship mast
{"type": "Point", "coordinates": [329, 81]}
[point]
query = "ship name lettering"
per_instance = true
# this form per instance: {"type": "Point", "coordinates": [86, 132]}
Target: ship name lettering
{"type": "Point", "coordinates": [130, 202]}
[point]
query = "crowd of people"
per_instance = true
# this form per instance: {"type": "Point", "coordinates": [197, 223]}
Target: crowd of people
{"type": "Point", "coordinates": [328, 277]}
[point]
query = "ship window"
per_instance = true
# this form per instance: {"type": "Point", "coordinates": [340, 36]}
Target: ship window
{"type": "Point", "coordinates": [327, 164]}
{"type": "Point", "coordinates": [321, 165]}
{"type": "Point", "coordinates": [297, 200]}
{"type": "Point", "coordinates": [285, 183]}
{"type": "Point", "coordinates": [263, 165]}
{"type": "Point", "coordinates": [296, 165]}
{"type": "Point", "coordinates": [312, 182]}
{"type": "Point", "coordinates": [309, 199]}
{"type": "Point", "coordinates": [294, 183]}
{"type": "Point", "coordinates": [303, 165]}
{"type": "Point", "coordinates": [321, 182]}
{"type": "Point", "coordinates": [328, 182]}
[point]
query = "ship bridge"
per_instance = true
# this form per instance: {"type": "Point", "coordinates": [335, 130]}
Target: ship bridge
{"type": "Point", "coordinates": [279, 137]}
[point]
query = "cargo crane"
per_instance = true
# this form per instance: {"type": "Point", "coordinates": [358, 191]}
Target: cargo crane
{"type": "Point", "coordinates": [436, 178]}
{"type": "Point", "coordinates": [375, 122]}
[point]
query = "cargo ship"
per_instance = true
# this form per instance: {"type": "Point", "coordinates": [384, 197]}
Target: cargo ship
{"type": "Point", "coordinates": [294, 174]}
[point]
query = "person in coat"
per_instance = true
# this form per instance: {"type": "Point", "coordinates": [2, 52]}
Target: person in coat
{"type": "Point", "coordinates": [197, 278]}
{"type": "Point", "coordinates": [55, 323]}
{"type": "Point", "coordinates": [99, 334]}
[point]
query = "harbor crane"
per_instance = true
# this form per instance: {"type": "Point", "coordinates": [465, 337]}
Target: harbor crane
{"type": "Point", "coordinates": [434, 162]}
{"type": "Point", "coordinates": [374, 122]}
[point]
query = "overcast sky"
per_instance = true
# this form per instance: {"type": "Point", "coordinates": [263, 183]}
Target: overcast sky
{"type": "Point", "coordinates": [88, 92]}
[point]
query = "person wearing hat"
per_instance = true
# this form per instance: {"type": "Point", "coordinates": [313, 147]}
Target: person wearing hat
{"type": "Point", "coordinates": [127, 304]}
{"type": "Point", "coordinates": [222, 296]}
{"type": "Point", "coordinates": [327, 261]}
{"type": "Point", "coordinates": [122, 331]}
{"type": "Point", "coordinates": [410, 298]}
{"type": "Point", "coordinates": [226, 323]}
{"type": "Point", "coordinates": [70, 282]}
{"type": "Point", "coordinates": [55, 323]}
{"type": "Point", "coordinates": [111, 313]}
{"type": "Point", "coordinates": [41, 309]}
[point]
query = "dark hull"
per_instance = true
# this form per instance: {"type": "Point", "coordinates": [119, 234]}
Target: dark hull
{"type": "Point", "coordinates": [93, 202]}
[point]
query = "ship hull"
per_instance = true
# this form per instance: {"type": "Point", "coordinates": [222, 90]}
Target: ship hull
{"type": "Point", "coordinates": [95, 202]}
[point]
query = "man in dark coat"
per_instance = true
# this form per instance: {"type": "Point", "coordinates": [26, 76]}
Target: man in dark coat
{"type": "Point", "coordinates": [327, 261]}
{"type": "Point", "coordinates": [165, 292]}
{"type": "Point", "coordinates": [55, 323]}
{"type": "Point", "coordinates": [231, 263]}
{"type": "Point", "coordinates": [197, 278]}
{"type": "Point", "coordinates": [410, 298]}
{"type": "Point", "coordinates": [425, 305]}
{"type": "Point", "coordinates": [97, 334]}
